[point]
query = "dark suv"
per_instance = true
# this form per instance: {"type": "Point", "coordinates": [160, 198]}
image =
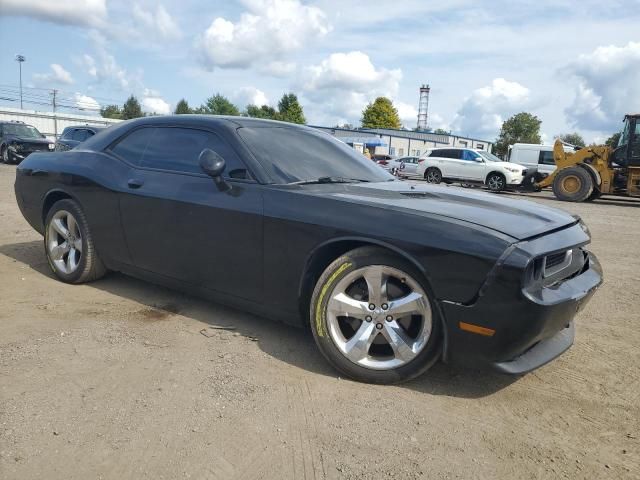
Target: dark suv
{"type": "Point", "coordinates": [17, 140]}
{"type": "Point", "coordinates": [73, 136]}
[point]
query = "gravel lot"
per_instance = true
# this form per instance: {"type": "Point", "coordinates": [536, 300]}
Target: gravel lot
{"type": "Point", "coordinates": [115, 380]}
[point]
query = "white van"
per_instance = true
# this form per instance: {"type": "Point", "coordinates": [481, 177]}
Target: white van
{"type": "Point", "coordinates": [535, 157]}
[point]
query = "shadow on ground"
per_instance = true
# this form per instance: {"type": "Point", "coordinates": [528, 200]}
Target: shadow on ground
{"type": "Point", "coordinates": [288, 344]}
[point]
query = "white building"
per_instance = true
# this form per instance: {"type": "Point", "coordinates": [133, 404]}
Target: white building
{"type": "Point", "coordinates": [400, 143]}
{"type": "Point", "coordinates": [52, 124]}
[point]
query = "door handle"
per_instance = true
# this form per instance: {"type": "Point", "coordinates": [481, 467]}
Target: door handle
{"type": "Point", "coordinates": [135, 183]}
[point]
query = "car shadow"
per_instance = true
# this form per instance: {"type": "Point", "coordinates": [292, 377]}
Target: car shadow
{"type": "Point", "coordinates": [289, 344]}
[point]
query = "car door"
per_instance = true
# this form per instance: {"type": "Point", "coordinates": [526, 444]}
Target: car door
{"type": "Point", "coordinates": [410, 166]}
{"type": "Point", "coordinates": [472, 166]}
{"type": "Point", "coordinates": [178, 224]}
{"type": "Point", "coordinates": [450, 162]}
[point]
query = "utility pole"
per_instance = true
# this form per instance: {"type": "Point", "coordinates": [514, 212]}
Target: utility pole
{"type": "Point", "coordinates": [20, 59]}
{"type": "Point", "coordinates": [55, 117]}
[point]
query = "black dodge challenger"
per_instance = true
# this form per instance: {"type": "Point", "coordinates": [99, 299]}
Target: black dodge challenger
{"type": "Point", "coordinates": [290, 223]}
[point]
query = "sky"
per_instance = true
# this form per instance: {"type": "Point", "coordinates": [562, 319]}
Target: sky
{"type": "Point", "coordinates": [574, 64]}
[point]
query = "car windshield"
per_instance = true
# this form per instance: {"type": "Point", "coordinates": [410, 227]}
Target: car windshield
{"type": "Point", "coordinates": [490, 157]}
{"type": "Point", "coordinates": [297, 155]}
{"type": "Point", "coordinates": [19, 130]}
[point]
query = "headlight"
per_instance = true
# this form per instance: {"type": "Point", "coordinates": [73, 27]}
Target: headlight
{"type": "Point", "coordinates": [512, 170]}
{"type": "Point", "coordinates": [51, 146]}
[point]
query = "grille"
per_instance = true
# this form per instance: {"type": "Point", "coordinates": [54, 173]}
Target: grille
{"type": "Point", "coordinates": [555, 259]}
{"type": "Point", "coordinates": [556, 262]}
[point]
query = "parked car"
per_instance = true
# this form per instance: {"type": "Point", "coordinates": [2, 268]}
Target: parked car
{"type": "Point", "coordinates": [401, 167]}
{"type": "Point", "coordinates": [18, 140]}
{"type": "Point", "coordinates": [469, 166]}
{"type": "Point", "coordinates": [73, 136]}
{"type": "Point", "coordinates": [535, 158]}
{"type": "Point", "coordinates": [289, 223]}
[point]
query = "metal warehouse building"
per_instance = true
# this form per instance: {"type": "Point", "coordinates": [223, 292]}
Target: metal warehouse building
{"type": "Point", "coordinates": [400, 143]}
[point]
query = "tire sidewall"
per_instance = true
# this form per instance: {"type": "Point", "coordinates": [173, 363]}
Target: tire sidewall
{"type": "Point", "coordinates": [73, 208]}
{"type": "Point", "coordinates": [340, 268]}
{"type": "Point", "coordinates": [501, 177]}
{"type": "Point", "coordinates": [436, 171]}
{"type": "Point", "coordinates": [586, 187]}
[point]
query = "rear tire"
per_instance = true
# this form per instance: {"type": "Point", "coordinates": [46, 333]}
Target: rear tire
{"type": "Point", "coordinates": [373, 317]}
{"type": "Point", "coordinates": [69, 246]}
{"type": "Point", "coordinates": [433, 175]}
{"type": "Point", "coordinates": [573, 184]}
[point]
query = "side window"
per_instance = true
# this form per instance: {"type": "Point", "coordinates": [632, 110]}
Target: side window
{"type": "Point", "coordinates": [468, 155]}
{"type": "Point", "coordinates": [451, 153]}
{"type": "Point", "coordinates": [178, 149]}
{"type": "Point", "coordinates": [132, 147]}
{"type": "Point", "coordinates": [67, 133]}
{"type": "Point", "coordinates": [80, 135]}
{"type": "Point", "coordinates": [90, 133]}
{"type": "Point", "coordinates": [546, 158]}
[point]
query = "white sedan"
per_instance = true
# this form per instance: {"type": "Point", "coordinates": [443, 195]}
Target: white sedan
{"type": "Point", "coordinates": [401, 167]}
{"type": "Point", "coordinates": [469, 166]}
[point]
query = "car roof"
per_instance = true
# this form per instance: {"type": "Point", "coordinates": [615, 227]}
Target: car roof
{"type": "Point", "coordinates": [457, 148]}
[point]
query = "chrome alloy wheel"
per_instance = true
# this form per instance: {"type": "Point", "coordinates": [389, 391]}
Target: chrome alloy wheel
{"type": "Point", "coordinates": [496, 182]}
{"type": "Point", "coordinates": [433, 176]}
{"type": "Point", "coordinates": [379, 317]}
{"type": "Point", "coordinates": [64, 242]}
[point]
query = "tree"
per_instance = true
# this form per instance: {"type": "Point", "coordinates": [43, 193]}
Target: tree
{"type": "Point", "coordinates": [264, 111]}
{"type": "Point", "coordinates": [613, 140]}
{"type": "Point", "coordinates": [520, 128]}
{"type": "Point", "coordinates": [345, 126]}
{"type": "Point", "coordinates": [182, 108]}
{"type": "Point", "coordinates": [573, 138]}
{"type": "Point", "coordinates": [290, 110]}
{"type": "Point", "coordinates": [131, 109]}
{"type": "Point", "coordinates": [380, 114]}
{"type": "Point", "coordinates": [111, 111]}
{"type": "Point", "coordinates": [441, 131]}
{"type": "Point", "coordinates": [218, 105]}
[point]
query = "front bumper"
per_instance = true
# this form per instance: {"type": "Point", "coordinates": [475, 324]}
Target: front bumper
{"type": "Point", "coordinates": [530, 328]}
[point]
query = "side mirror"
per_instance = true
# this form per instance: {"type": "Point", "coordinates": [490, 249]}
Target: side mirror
{"type": "Point", "coordinates": [479, 159]}
{"type": "Point", "coordinates": [213, 165]}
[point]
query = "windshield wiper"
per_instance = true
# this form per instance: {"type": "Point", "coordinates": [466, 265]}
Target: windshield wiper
{"type": "Point", "coordinates": [329, 180]}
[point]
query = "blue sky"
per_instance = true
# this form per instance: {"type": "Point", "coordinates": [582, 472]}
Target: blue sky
{"type": "Point", "coordinates": [574, 64]}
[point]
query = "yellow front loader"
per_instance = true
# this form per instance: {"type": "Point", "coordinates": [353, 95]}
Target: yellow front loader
{"type": "Point", "coordinates": [593, 171]}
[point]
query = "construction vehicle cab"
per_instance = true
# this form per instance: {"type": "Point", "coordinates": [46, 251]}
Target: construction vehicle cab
{"type": "Point", "coordinates": [592, 171]}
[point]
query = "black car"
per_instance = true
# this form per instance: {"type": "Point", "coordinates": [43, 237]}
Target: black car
{"type": "Point", "coordinates": [18, 140]}
{"type": "Point", "coordinates": [290, 223]}
{"type": "Point", "coordinates": [71, 137]}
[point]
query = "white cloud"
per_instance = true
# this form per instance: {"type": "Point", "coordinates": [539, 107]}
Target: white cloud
{"type": "Point", "coordinates": [152, 102]}
{"type": "Point", "coordinates": [408, 114]}
{"type": "Point", "coordinates": [343, 83]}
{"type": "Point", "coordinates": [104, 68]}
{"type": "Point", "coordinates": [483, 113]}
{"type": "Point", "coordinates": [85, 102]}
{"type": "Point", "coordinates": [267, 31]}
{"type": "Point", "coordinates": [159, 23]}
{"type": "Point", "coordinates": [68, 12]}
{"type": "Point", "coordinates": [250, 96]}
{"type": "Point", "coordinates": [58, 75]}
{"type": "Point", "coordinates": [608, 87]}
{"type": "Point", "coordinates": [279, 69]}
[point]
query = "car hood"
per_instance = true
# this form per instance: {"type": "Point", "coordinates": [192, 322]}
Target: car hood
{"type": "Point", "coordinates": [44, 141]}
{"type": "Point", "coordinates": [506, 164]}
{"type": "Point", "coordinates": [519, 219]}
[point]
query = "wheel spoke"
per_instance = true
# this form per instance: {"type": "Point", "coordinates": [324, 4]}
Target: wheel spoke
{"type": "Point", "coordinates": [357, 348]}
{"type": "Point", "coordinates": [343, 305]}
{"type": "Point", "coordinates": [71, 260]}
{"type": "Point", "coordinates": [59, 227]}
{"type": "Point", "coordinates": [376, 284]}
{"type": "Point", "coordinates": [58, 251]}
{"type": "Point", "coordinates": [72, 225]}
{"type": "Point", "coordinates": [399, 341]}
{"type": "Point", "coordinates": [412, 303]}
{"type": "Point", "coordinates": [77, 244]}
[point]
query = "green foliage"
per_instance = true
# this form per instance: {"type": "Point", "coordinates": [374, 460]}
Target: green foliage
{"type": "Point", "coordinates": [182, 108]}
{"type": "Point", "coordinates": [573, 138]}
{"type": "Point", "coordinates": [520, 128]}
{"type": "Point", "coordinates": [613, 140]}
{"type": "Point", "coordinates": [380, 114]}
{"type": "Point", "coordinates": [218, 105]}
{"type": "Point", "coordinates": [290, 110]}
{"type": "Point", "coordinates": [111, 111]}
{"type": "Point", "coordinates": [264, 111]}
{"type": "Point", "coordinates": [441, 131]}
{"type": "Point", "coordinates": [131, 109]}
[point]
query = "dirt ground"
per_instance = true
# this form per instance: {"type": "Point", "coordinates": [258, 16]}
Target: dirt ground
{"type": "Point", "coordinates": [114, 380]}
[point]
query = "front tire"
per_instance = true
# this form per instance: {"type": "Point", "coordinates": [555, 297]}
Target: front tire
{"type": "Point", "coordinates": [4, 155]}
{"type": "Point", "coordinates": [433, 175]}
{"type": "Point", "coordinates": [372, 317]}
{"type": "Point", "coordinates": [573, 184]}
{"type": "Point", "coordinates": [69, 245]}
{"type": "Point", "coordinates": [496, 182]}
